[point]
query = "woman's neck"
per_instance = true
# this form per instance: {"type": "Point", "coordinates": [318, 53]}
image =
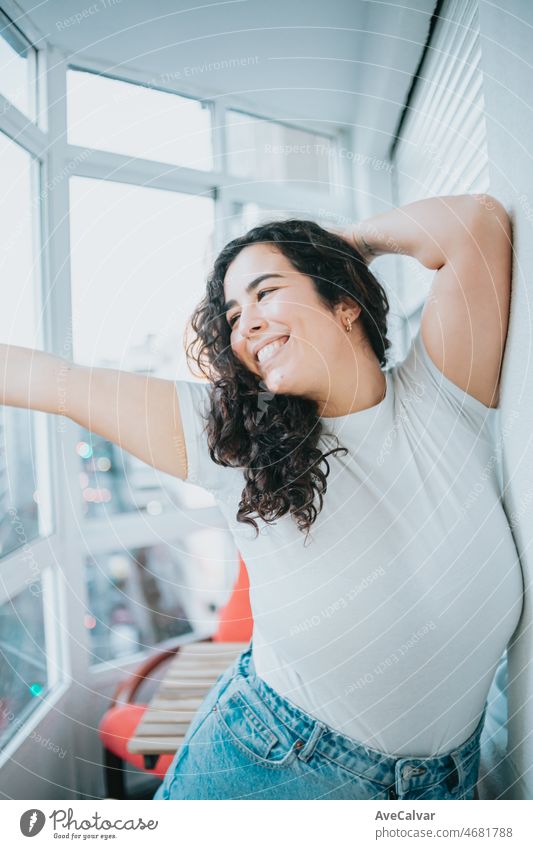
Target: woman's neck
{"type": "Point", "coordinates": [357, 382]}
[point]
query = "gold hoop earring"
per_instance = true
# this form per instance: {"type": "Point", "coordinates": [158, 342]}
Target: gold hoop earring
{"type": "Point", "coordinates": [348, 325]}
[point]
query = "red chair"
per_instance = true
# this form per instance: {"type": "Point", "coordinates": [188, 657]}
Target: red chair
{"type": "Point", "coordinates": [119, 722]}
{"type": "Point", "coordinates": [235, 622]}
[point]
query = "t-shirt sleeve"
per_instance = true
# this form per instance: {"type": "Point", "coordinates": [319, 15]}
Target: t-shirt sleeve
{"type": "Point", "coordinates": [419, 373]}
{"type": "Point", "coordinates": [194, 403]}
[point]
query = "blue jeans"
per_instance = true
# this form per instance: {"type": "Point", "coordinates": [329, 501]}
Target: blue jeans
{"type": "Point", "coordinates": [247, 742]}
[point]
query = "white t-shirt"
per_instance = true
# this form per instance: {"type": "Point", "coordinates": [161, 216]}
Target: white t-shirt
{"type": "Point", "coordinates": [388, 624]}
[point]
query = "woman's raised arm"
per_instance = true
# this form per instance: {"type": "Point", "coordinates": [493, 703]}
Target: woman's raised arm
{"type": "Point", "coordinates": [137, 412]}
{"type": "Point", "coordinates": [467, 240]}
{"type": "Point", "coordinates": [432, 230]}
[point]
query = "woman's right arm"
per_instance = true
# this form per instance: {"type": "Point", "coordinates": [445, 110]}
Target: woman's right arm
{"type": "Point", "coordinates": [137, 412]}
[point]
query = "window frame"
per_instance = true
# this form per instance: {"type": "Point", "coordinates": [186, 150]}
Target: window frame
{"type": "Point", "coordinates": [45, 138]}
{"type": "Point", "coordinates": [16, 40]}
{"type": "Point", "coordinates": [335, 139]}
{"type": "Point", "coordinates": [17, 571]}
{"type": "Point", "coordinates": [206, 103]}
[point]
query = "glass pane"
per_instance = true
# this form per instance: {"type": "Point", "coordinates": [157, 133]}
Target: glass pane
{"type": "Point", "coordinates": [135, 600]}
{"type": "Point", "coordinates": [113, 481]}
{"type": "Point", "coordinates": [265, 150]}
{"type": "Point", "coordinates": [137, 120]}
{"type": "Point", "coordinates": [247, 215]}
{"type": "Point", "coordinates": [23, 668]}
{"type": "Point", "coordinates": [211, 571]}
{"type": "Point", "coordinates": [17, 63]}
{"type": "Point", "coordinates": [18, 273]}
{"type": "Point", "coordinates": [139, 262]}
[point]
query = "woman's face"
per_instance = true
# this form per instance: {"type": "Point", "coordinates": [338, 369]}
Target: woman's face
{"type": "Point", "coordinates": [269, 301]}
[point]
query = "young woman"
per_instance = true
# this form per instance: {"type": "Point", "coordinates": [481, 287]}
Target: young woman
{"type": "Point", "coordinates": [385, 583]}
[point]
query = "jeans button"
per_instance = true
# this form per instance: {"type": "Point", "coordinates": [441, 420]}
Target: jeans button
{"type": "Point", "coordinates": [408, 771]}
{"type": "Point", "coordinates": [299, 744]}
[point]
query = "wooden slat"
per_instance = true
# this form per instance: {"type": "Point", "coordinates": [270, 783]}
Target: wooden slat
{"type": "Point", "coordinates": [168, 716]}
{"type": "Point", "coordinates": [213, 648]}
{"type": "Point", "coordinates": [155, 745]}
{"type": "Point", "coordinates": [188, 679]}
{"type": "Point", "coordinates": [205, 678]}
{"type": "Point", "coordinates": [163, 729]}
{"type": "Point", "coordinates": [169, 693]}
{"type": "Point", "coordinates": [222, 659]}
{"type": "Point", "coordinates": [162, 717]}
{"type": "Point", "coordinates": [192, 674]}
{"type": "Point", "coordinates": [198, 663]}
{"type": "Point", "coordinates": [171, 703]}
{"type": "Point", "coordinates": [189, 688]}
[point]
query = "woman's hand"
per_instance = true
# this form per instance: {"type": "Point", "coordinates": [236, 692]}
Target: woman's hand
{"type": "Point", "coordinates": [361, 244]}
{"type": "Point", "coordinates": [355, 238]}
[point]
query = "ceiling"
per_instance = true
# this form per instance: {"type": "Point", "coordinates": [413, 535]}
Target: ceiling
{"type": "Point", "coordinates": [327, 62]}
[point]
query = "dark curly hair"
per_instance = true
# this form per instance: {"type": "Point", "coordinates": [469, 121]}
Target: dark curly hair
{"type": "Point", "coordinates": [276, 443]}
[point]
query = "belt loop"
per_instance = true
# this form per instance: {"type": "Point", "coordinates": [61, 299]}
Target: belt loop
{"type": "Point", "coordinates": [458, 761]}
{"type": "Point", "coordinates": [315, 736]}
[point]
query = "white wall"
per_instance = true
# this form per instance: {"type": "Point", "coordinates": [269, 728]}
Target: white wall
{"type": "Point", "coordinates": [468, 134]}
{"type": "Point", "coordinates": [508, 81]}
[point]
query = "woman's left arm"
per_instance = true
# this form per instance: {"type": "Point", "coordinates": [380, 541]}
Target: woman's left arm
{"type": "Point", "coordinates": [467, 240]}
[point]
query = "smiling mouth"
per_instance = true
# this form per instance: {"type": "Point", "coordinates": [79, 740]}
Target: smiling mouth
{"type": "Point", "coordinates": [268, 352]}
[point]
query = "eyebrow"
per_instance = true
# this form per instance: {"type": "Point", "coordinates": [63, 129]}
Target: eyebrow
{"type": "Point", "coordinates": [249, 288]}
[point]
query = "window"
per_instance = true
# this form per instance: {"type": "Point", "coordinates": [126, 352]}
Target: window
{"type": "Point", "coordinates": [23, 660]}
{"type": "Point", "coordinates": [160, 562]}
{"type": "Point", "coordinates": [265, 150]}
{"type": "Point", "coordinates": [17, 68]}
{"type": "Point", "coordinates": [139, 261]}
{"type": "Point", "coordinates": [19, 287]}
{"type": "Point", "coordinates": [138, 121]}
{"type": "Point", "coordinates": [135, 600]}
{"type": "Point", "coordinates": [247, 215]}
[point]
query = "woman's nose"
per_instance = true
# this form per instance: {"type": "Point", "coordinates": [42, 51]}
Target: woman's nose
{"type": "Point", "coordinates": [250, 321]}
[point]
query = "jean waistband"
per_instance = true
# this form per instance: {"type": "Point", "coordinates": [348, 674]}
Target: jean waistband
{"type": "Point", "coordinates": [404, 773]}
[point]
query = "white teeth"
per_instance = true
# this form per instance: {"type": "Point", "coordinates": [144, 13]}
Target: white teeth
{"type": "Point", "coordinates": [269, 349]}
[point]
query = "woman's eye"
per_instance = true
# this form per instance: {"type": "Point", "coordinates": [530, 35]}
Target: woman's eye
{"type": "Point", "coordinates": [234, 318]}
{"type": "Point", "coordinates": [264, 291]}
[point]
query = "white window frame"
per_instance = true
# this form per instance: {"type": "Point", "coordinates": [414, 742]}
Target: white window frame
{"type": "Point", "coordinates": [46, 140]}
{"type": "Point", "coordinates": [17, 569]}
